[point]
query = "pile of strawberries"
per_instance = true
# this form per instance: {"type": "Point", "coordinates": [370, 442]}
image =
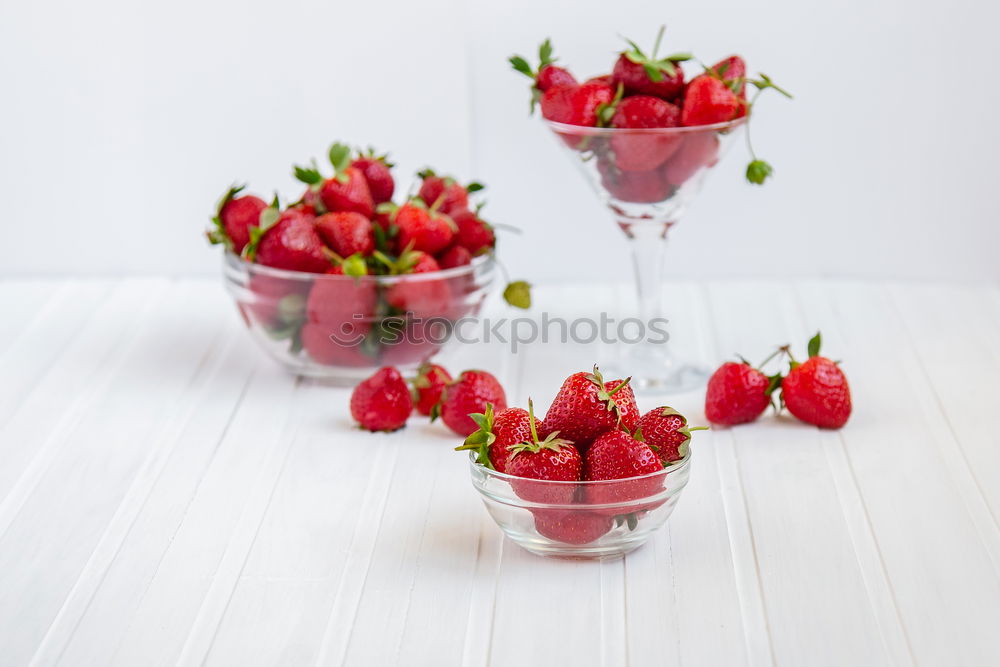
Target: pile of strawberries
{"type": "Point", "coordinates": [814, 391]}
{"type": "Point", "coordinates": [345, 223]}
{"type": "Point", "coordinates": [642, 92]}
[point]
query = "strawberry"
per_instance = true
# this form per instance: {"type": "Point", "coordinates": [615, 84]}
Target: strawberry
{"type": "Point", "coordinates": [586, 406]}
{"type": "Point", "coordinates": [421, 298]}
{"type": "Point", "coordinates": [382, 402]}
{"type": "Point", "coordinates": [639, 74]}
{"type": "Point", "coordinates": [469, 393]}
{"type": "Point", "coordinates": [234, 216]}
{"type": "Point", "coordinates": [344, 302]}
{"type": "Point", "coordinates": [738, 393]}
{"type": "Point", "coordinates": [576, 105]}
{"type": "Point", "coordinates": [287, 241]}
{"type": "Point", "coordinates": [571, 526]}
{"type": "Point", "coordinates": [474, 233]}
{"type": "Point", "coordinates": [444, 193]}
{"type": "Point", "coordinates": [422, 228]}
{"type": "Point", "coordinates": [619, 455]}
{"type": "Point", "coordinates": [546, 76]}
{"type": "Point", "coordinates": [346, 233]}
{"type": "Point", "coordinates": [278, 304]}
{"type": "Point", "coordinates": [667, 433]}
{"type": "Point", "coordinates": [346, 191]}
{"type": "Point", "coordinates": [454, 257]}
{"type": "Point", "coordinates": [323, 349]}
{"type": "Point", "coordinates": [499, 432]}
{"type": "Point", "coordinates": [816, 390]}
{"type": "Point", "coordinates": [606, 79]}
{"type": "Point", "coordinates": [733, 71]}
{"type": "Point", "coordinates": [709, 100]}
{"type": "Point", "coordinates": [644, 151]}
{"type": "Point", "coordinates": [699, 149]}
{"type": "Point", "coordinates": [640, 187]}
{"type": "Point", "coordinates": [427, 387]}
{"type": "Point", "coordinates": [378, 175]}
{"type": "Point", "coordinates": [550, 460]}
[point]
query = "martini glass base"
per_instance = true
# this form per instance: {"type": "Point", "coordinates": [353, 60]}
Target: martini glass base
{"type": "Point", "coordinates": [655, 371]}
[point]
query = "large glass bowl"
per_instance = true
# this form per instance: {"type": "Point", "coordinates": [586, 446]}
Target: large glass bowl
{"type": "Point", "coordinates": [580, 519]}
{"type": "Point", "coordinates": [341, 328]}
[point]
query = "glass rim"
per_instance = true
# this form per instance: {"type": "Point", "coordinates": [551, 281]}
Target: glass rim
{"type": "Point", "coordinates": [586, 130]}
{"type": "Point", "coordinates": [674, 466]}
{"type": "Point", "coordinates": [232, 260]}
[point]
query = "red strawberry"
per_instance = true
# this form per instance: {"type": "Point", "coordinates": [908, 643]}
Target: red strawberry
{"type": "Point", "coordinates": [499, 432]}
{"type": "Point", "coordinates": [816, 390]}
{"type": "Point", "coordinates": [708, 100]}
{"type": "Point", "coordinates": [586, 406]}
{"type": "Point", "coordinates": [576, 105]}
{"type": "Point", "coordinates": [377, 172]}
{"type": "Point", "coordinates": [640, 187]}
{"type": "Point", "coordinates": [546, 76]}
{"type": "Point", "coordinates": [571, 526]}
{"type": "Point", "coordinates": [699, 149]}
{"type": "Point", "coordinates": [640, 74]}
{"type": "Point", "coordinates": [234, 216]}
{"type": "Point", "coordinates": [322, 348]}
{"type": "Point", "coordinates": [474, 233]}
{"type": "Point", "coordinates": [423, 229]}
{"type": "Point", "coordinates": [344, 303]}
{"type": "Point", "coordinates": [667, 433]}
{"type": "Point", "coordinates": [733, 71]}
{"type": "Point", "coordinates": [550, 460]}
{"type": "Point", "coordinates": [347, 233]}
{"type": "Point", "coordinates": [618, 455]}
{"type": "Point", "coordinates": [604, 78]}
{"type": "Point", "coordinates": [278, 304]}
{"type": "Point", "coordinates": [444, 193]}
{"type": "Point", "coordinates": [348, 191]}
{"type": "Point", "coordinates": [469, 394]}
{"type": "Point", "coordinates": [421, 297]}
{"type": "Point", "coordinates": [738, 393]}
{"type": "Point", "coordinates": [454, 256]}
{"type": "Point", "coordinates": [290, 243]}
{"type": "Point", "coordinates": [641, 151]}
{"type": "Point", "coordinates": [382, 402]}
{"type": "Point", "coordinates": [427, 387]}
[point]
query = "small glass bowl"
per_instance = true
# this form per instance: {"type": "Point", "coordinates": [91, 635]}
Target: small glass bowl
{"type": "Point", "coordinates": [603, 519]}
{"type": "Point", "coordinates": [342, 328]}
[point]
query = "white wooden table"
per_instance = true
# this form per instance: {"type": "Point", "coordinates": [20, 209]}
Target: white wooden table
{"type": "Point", "coordinates": [168, 496]}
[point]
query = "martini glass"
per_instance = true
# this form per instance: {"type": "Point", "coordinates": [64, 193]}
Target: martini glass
{"type": "Point", "coordinates": [647, 178]}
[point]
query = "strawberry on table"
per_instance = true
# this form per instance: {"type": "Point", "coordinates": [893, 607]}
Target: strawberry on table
{"type": "Point", "coordinates": [470, 393]}
{"type": "Point", "coordinates": [287, 241]}
{"type": "Point", "coordinates": [234, 216]}
{"type": "Point", "coordinates": [377, 171]}
{"type": "Point", "coordinates": [346, 233]}
{"type": "Point", "coordinates": [587, 406]}
{"type": "Point", "coordinates": [667, 433]}
{"type": "Point", "coordinates": [643, 151]}
{"type": "Point", "coordinates": [816, 391]}
{"type": "Point", "coordinates": [640, 74]}
{"type": "Point", "coordinates": [738, 393]}
{"type": "Point", "coordinates": [427, 387]}
{"type": "Point", "coordinates": [382, 402]}
{"type": "Point", "coordinates": [546, 76]}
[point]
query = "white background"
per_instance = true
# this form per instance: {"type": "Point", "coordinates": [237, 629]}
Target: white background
{"type": "Point", "coordinates": [121, 122]}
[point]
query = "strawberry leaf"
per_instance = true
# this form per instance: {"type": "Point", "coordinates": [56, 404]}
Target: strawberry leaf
{"type": "Point", "coordinates": [340, 157]}
{"type": "Point", "coordinates": [518, 294]}
{"type": "Point", "coordinates": [521, 65]}
{"type": "Point", "coordinates": [814, 343]}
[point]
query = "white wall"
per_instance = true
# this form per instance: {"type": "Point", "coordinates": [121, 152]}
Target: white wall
{"type": "Point", "coordinates": [121, 122]}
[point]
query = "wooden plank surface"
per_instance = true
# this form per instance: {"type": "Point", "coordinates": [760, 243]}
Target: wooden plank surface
{"type": "Point", "coordinates": [168, 496]}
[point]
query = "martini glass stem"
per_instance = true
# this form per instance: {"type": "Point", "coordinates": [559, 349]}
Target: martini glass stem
{"type": "Point", "coordinates": [648, 243]}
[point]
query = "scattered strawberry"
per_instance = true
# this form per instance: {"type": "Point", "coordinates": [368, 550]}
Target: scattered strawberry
{"type": "Point", "coordinates": [234, 216]}
{"type": "Point", "coordinates": [641, 151]}
{"type": "Point", "coordinates": [640, 74]}
{"type": "Point", "coordinates": [469, 394]}
{"type": "Point", "coordinates": [546, 76]}
{"type": "Point", "coordinates": [422, 228]}
{"type": "Point", "coordinates": [738, 393]}
{"type": "Point", "coordinates": [444, 193]}
{"type": "Point", "coordinates": [586, 406]}
{"type": "Point", "coordinates": [576, 105]}
{"type": "Point", "coordinates": [553, 459]}
{"type": "Point", "coordinates": [427, 387]}
{"type": "Point", "coordinates": [708, 100]}
{"type": "Point", "coordinates": [346, 233]}
{"type": "Point", "coordinates": [454, 256]}
{"type": "Point", "coordinates": [816, 390]}
{"type": "Point", "coordinates": [287, 241]}
{"type": "Point", "coordinates": [667, 433]}
{"type": "Point", "coordinates": [571, 526]}
{"type": "Point", "coordinates": [474, 234]}
{"type": "Point", "coordinates": [377, 172]}
{"type": "Point", "coordinates": [382, 402]}
{"type": "Point", "coordinates": [619, 455]}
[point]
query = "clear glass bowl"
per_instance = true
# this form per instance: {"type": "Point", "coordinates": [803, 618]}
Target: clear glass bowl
{"type": "Point", "coordinates": [341, 328]}
{"type": "Point", "coordinates": [580, 519]}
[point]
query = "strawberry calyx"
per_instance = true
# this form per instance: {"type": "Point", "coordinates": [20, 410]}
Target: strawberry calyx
{"type": "Point", "coordinates": [605, 396]}
{"type": "Point", "coordinates": [521, 65]}
{"type": "Point", "coordinates": [340, 159]}
{"type": "Point", "coordinates": [606, 110]}
{"type": "Point", "coordinates": [551, 441]}
{"type": "Point", "coordinates": [655, 67]}
{"type": "Point", "coordinates": [218, 233]}
{"type": "Point", "coordinates": [371, 154]}
{"type": "Point", "coordinates": [402, 264]}
{"type": "Point", "coordinates": [479, 440]}
{"type": "Point", "coordinates": [268, 218]}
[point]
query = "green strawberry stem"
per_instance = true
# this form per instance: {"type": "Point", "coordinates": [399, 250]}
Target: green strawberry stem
{"type": "Point", "coordinates": [759, 170]}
